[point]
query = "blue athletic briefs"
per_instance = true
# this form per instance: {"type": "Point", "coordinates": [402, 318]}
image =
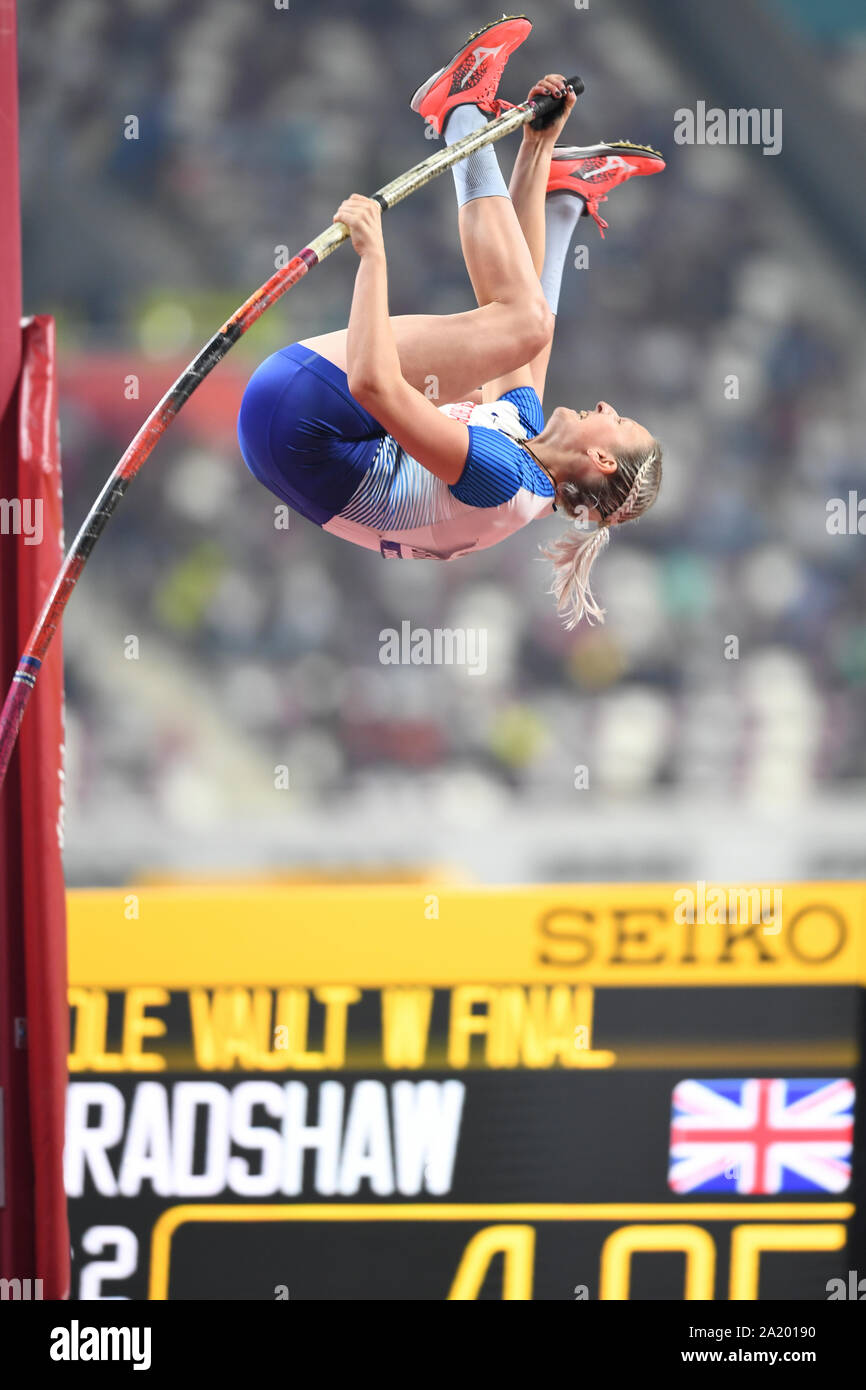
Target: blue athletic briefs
{"type": "Point", "coordinates": [304, 436]}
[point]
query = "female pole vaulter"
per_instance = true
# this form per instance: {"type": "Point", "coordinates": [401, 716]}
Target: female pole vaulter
{"type": "Point", "coordinates": [341, 427]}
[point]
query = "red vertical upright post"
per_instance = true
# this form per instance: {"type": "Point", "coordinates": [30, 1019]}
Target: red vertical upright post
{"type": "Point", "coordinates": [17, 1254]}
{"type": "Point", "coordinates": [34, 1236]}
{"type": "Point", "coordinates": [43, 915]}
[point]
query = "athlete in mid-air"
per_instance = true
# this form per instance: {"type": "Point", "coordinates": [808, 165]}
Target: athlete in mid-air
{"type": "Point", "coordinates": [343, 427]}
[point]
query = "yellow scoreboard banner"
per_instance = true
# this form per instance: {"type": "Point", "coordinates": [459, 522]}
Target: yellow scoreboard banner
{"type": "Point", "coordinates": [366, 936]}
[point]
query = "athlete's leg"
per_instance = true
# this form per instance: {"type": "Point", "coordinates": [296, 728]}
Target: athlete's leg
{"type": "Point", "coordinates": [546, 222]}
{"type": "Point", "coordinates": [502, 235]}
{"type": "Point", "coordinates": [449, 355]}
{"type": "Point", "coordinates": [546, 225]}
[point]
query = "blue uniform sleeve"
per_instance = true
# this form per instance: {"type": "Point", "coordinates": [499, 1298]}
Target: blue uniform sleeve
{"type": "Point", "coordinates": [528, 408]}
{"type": "Point", "coordinates": [497, 468]}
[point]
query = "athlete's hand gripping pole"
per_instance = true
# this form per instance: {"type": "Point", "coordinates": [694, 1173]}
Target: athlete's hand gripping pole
{"type": "Point", "coordinates": [536, 109]}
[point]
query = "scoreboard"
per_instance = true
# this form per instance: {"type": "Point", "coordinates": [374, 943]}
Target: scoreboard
{"type": "Point", "coordinates": [611, 1092]}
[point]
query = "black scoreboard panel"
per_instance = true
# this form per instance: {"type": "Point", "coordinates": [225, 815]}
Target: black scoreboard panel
{"type": "Point", "coordinates": [424, 1259]}
{"type": "Point", "coordinates": [557, 1160]}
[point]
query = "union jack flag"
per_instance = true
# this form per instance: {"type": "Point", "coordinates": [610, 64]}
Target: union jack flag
{"type": "Point", "coordinates": [761, 1136]}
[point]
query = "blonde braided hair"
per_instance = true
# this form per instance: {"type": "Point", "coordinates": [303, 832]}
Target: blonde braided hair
{"type": "Point", "coordinates": [573, 555]}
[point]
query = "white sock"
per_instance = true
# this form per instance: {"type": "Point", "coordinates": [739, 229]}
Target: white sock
{"type": "Point", "coordinates": [561, 211]}
{"type": "Point", "coordinates": [478, 175]}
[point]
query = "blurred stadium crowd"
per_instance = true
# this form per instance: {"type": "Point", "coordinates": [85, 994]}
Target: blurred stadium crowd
{"type": "Point", "coordinates": [732, 667]}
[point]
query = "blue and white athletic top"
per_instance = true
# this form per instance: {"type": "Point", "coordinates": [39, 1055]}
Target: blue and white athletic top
{"type": "Point", "coordinates": [405, 512]}
{"type": "Point", "coordinates": [305, 437]}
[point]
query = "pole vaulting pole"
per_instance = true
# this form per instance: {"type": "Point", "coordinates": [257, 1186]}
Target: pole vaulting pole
{"type": "Point", "coordinates": [539, 109]}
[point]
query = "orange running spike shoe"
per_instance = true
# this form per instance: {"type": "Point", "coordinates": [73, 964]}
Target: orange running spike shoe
{"type": "Point", "coordinates": [593, 170]}
{"type": "Point", "coordinates": [473, 74]}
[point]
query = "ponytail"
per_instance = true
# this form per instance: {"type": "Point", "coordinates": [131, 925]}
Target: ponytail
{"type": "Point", "coordinates": [573, 555]}
{"type": "Point", "coordinates": [630, 491]}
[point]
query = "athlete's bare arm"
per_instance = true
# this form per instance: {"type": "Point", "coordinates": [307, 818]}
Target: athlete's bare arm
{"type": "Point", "coordinates": [373, 370]}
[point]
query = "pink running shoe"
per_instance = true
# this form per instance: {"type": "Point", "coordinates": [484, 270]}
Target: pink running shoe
{"type": "Point", "coordinates": [593, 170]}
{"type": "Point", "coordinates": [474, 74]}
